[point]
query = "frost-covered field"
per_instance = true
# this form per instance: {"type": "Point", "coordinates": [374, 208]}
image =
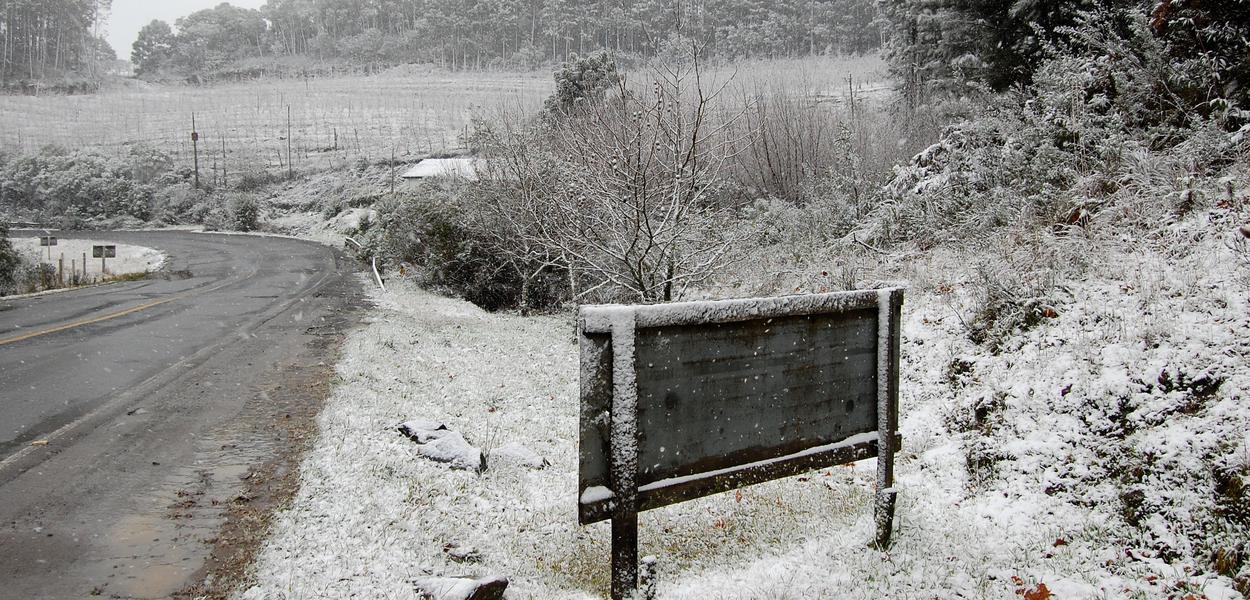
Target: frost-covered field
{"type": "Point", "coordinates": [1012, 475]}
{"type": "Point", "coordinates": [130, 259]}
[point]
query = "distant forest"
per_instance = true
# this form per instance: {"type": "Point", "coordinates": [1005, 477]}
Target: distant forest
{"type": "Point", "coordinates": [229, 41]}
{"type": "Point", "coordinates": [51, 39]}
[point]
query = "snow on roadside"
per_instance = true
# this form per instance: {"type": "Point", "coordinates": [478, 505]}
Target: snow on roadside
{"type": "Point", "coordinates": [130, 259]}
{"type": "Point", "coordinates": [372, 515]}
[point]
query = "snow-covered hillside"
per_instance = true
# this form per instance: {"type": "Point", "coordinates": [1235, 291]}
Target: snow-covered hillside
{"type": "Point", "coordinates": [1090, 452]}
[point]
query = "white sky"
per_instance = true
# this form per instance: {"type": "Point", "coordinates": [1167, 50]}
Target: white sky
{"type": "Point", "coordinates": [129, 16]}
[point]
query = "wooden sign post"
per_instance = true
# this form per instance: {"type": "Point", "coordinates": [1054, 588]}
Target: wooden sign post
{"type": "Point", "coordinates": [680, 401]}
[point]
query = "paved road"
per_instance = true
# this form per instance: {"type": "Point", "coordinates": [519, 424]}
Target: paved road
{"type": "Point", "coordinates": [129, 413]}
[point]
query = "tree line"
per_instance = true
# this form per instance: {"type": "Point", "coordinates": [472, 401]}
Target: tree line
{"type": "Point", "coordinates": [474, 34]}
{"type": "Point", "coordinates": [47, 39]}
{"type": "Point", "coordinates": [945, 45]}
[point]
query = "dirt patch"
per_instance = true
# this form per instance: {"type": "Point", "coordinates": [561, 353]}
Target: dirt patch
{"type": "Point", "coordinates": [284, 410]}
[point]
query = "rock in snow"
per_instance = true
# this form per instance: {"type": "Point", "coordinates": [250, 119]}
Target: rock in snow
{"type": "Point", "coordinates": [438, 443]}
{"type": "Point", "coordinates": [420, 430]}
{"type": "Point", "coordinates": [517, 454]}
{"type": "Point", "coordinates": [462, 554]}
{"type": "Point", "coordinates": [461, 588]}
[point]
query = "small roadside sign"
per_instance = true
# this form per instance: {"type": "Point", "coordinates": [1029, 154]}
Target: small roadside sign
{"type": "Point", "coordinates": [104, 251]}
{"type": "Point", "coordinates": [47, 240]}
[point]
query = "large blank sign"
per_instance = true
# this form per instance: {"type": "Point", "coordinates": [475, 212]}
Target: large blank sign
{"type": "Point", "coordinates": [684, 400]}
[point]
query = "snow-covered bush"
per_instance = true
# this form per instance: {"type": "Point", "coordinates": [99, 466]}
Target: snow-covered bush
{"type": "Point", "coordinates": [183, 203]}
{"type": "Point", "coordinates": [431, 231]}
{"type": "Point", "coordinates": [244, 213]}
{"type": "Point", "coordinates": [10, 261]}
{"type": "Point", "coordinates": [1099, 127]}
{"type": "Point", "coordinates": [85, 188]}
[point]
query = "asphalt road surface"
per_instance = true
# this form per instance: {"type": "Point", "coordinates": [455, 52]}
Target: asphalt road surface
{"type": "Point", "coordinates": [132, 413]}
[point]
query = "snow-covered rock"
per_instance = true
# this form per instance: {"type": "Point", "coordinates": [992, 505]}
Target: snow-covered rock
{"type": "Point", "coordinates": [516, 454]}
{"type": "Point", "coordinates": [438, 443]}
{"type": "Point", "coordinates": [461, 588]}
{"type": "Point", "coordinates": [422, 430]}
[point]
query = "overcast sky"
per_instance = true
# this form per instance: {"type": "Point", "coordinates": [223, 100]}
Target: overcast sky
{"type": "Point", "coordinates": [129, 16]}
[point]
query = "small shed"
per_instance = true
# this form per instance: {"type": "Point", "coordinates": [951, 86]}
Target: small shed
{"type": "Point", "coordinates": [460, 168]}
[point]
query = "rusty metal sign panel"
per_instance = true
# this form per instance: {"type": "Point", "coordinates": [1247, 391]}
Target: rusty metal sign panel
{"type": "Point", "coordinates": [47, 240]}
{"type": "Point", "coordinates": [104, 251]}
{"type": "Point", "coordinates": [684, 400]}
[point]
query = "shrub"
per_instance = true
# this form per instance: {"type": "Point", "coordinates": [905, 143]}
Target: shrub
{"type": "Point", "coordinates": [1097, 129]}
{"type": "Point", "coordinates": [10, 261]}
{"type": "Point", "coordinates": [254, 179]}
{"type": "Point", "coordinates": [181, 203]}
{"type": "Point", "coordinates": [148, 165]}
{"type": "Point", "coordinates": [48, 184]}
{"type": "Point", "coordinates": [429, 232]}
{"type": "Point", "coordinates": [244, 213]}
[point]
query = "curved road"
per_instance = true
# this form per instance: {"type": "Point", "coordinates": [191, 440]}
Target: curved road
{"type": "Point", "coordinates": [132, 413]}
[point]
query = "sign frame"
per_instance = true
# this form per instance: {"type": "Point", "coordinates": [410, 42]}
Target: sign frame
{"type": "Point", "coordinates": [47, 240]}
{"type": "Point", "coordinates": [104, 251]}
{"type": "Point", "coordinates": [609, 436]}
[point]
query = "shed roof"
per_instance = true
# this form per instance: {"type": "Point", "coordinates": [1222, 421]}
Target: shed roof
{"type": "Point", "coordinates": [443, 167]}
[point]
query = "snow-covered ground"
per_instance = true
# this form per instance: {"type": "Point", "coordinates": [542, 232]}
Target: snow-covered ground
{"type": "Point", "coordinates": [1013, 479]}
{"type": "Point", "coordinates": [130, 259]}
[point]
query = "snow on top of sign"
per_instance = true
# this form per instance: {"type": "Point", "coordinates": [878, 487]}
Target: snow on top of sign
{"type": "Point", "coordinates": [598, 319]}
{"type": "Point", "coordinates": [861, 438]}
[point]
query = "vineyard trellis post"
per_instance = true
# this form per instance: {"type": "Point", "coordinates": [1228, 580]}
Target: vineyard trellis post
{"type": "Point", "coordinates": [195, 150]}
{"type": "Point", "coordinates": [290, 168]}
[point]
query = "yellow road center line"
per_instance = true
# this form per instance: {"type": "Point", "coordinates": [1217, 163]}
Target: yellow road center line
{"type": "Point", "coordinates": [120, 313]}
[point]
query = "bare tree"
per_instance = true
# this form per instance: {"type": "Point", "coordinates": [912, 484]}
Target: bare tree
{"type": "Point", "coordinates": [511, 201]}
{"type": "Point", "coordinates": [631, 201]}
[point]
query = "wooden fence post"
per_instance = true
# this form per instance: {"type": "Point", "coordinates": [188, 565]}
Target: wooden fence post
{"type": "Point", "coordinates": [624, 460]}
{"type": "Point", "coordinates": [889, 340]}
